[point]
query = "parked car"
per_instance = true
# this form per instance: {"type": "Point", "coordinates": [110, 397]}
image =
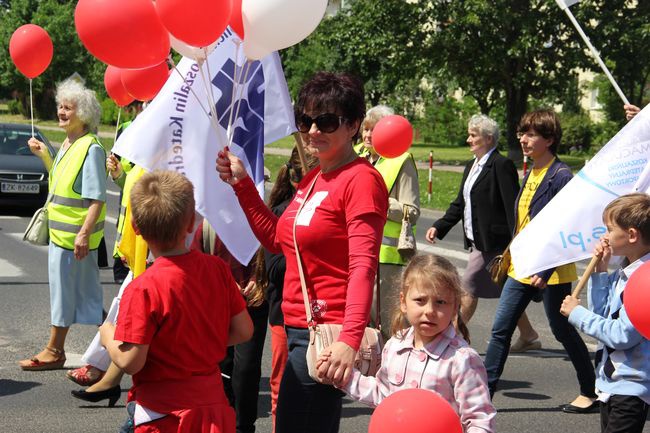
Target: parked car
{"type": "Point", "coordinates": [23, 177]}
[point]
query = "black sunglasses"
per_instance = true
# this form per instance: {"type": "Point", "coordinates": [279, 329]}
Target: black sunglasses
{"type": "Point", "coordinates": [326, 122]}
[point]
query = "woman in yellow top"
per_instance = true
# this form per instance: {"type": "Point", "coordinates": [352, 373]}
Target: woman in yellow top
{"type": "Point", "coordinates": [539, 133]}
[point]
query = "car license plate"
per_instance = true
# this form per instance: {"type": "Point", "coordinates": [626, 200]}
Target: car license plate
{"type": "Point", "coordinates": [20, 188]}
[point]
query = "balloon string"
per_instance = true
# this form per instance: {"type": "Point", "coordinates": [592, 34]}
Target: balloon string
{"type": "Point", "coordinates": [235, 84]}
{"type": "Point", "coordinates": [205, 52]}
{"type": "Point", "coordinates": [190, 87]}
{"type": "Point", "coordinates": [117, 125]}
{"type": "Point", "coordinates": [247, 69]}
{"type": "Point", "coordinates": [213, 118]}
{"type": "Point", "coordinates": [31, 105]}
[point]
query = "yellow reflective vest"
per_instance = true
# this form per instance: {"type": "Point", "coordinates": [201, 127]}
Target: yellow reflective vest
{"type": "Point", "coordinates": [389, 169]}
{"type": "Point", "coordinates": [67, 210]}
{"type": "Point", "coordinates": [131, 177]}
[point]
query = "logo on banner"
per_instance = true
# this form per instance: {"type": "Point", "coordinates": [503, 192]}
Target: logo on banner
{"type": "Point", "coordinates": [248, 127]}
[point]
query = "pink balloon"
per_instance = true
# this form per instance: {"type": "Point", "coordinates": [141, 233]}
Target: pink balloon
{"type": "Point", "coordinates": [31, 50]}
{"type": "Point", "coordinates": [114, 86]}
{"type": "Point", "coordinates": [144, 84]}
{"type": "Point", "coordinates": [392, 136]}
{"type": "Point", "coordinates": [406, 412]}
{"type": "Point", "coordinates": [195, 22]}
{"type": "Point", "coordinates": [123, 33]}
{"type": "Point", "coordinates": [637, 299]}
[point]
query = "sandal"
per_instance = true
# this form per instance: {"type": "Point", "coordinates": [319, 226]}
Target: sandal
{"type": "Point", "coordinates": [35, 364]}
{"type": "Point", "coordinates": [86, 375]}
{"type": "Point", "coordinates": [524, 346]}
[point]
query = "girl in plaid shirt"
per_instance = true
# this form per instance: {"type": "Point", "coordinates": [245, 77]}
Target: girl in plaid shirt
{"type": "Point", "coordinates": [426, 351]}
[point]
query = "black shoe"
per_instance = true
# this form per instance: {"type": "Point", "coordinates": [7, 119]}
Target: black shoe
{"type": "Point", "coordinates": [112, 394]}
{"type": "Point", "coordinates": [592, 408]}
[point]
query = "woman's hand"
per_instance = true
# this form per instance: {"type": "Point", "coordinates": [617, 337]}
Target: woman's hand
{"type": "Point", "coordinates": [230, 168]}
{"type": "Point", "coordinates": [106, 333]}
{"type": "Point", "coordinates": [431, 235]}
{"type": "Point", "coordinates": [630, 111]}
{"type": "Point", "coordinates": [81, 245]}
{"type": "Point", "coordinates": [537, 281]}
{"type": "Point", "coordinates": [37, 147]}
{"type": "Point", "coordinates": [335, 365]}
{"type": "Point", "coordinates": [604, 251]}
{"type": "Point", "coordinates": [114, 166]}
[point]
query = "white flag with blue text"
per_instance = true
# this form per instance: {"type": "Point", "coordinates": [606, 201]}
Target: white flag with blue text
{"type": "Point", "coordinates": [174, 132]}
{"type": "Point", "coordinates": [567, 229]}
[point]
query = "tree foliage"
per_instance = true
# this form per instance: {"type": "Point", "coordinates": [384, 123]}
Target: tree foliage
{"type": "Point", "coordinates": [57, 18]}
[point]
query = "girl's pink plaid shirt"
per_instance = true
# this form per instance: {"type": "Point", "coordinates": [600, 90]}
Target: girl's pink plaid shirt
{"type": "Point", "coordinates": [447, 366]}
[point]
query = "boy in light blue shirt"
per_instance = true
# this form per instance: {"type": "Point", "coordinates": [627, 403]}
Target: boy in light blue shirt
{"type": "Point", "coordinates": [623, 356]}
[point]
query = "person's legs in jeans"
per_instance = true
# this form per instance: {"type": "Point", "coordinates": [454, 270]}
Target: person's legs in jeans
{"type": "Point", "coordinates": [247, 371]}
{"type": "Point", "coordinates": [280, 353]}
{"type": "Point", "coordinates": [303, 404]}
{"type": "Point", "coordinates": [515, 297]}
{"type": "Point", "coordinates": [566, 334]}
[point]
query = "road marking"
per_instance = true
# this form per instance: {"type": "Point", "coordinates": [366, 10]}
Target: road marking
{"type": "Point", "coordinates": [458, 255]}
{"type": "Point", "coordinates": [9, 270]}
{"type": "Point", "coordinates": [113, 193]}
{"type": "Point", "coordinates": [9, 217]}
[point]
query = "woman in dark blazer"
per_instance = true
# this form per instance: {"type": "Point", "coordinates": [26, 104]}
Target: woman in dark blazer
{"type": "Point", "coordinates": [485, 205]}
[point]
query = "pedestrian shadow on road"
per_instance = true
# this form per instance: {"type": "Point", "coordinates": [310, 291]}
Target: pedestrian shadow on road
{"type": "Point", "coordinates": [510, 389]}
{"type": "Point", "coordinates": [354, 411]}
{"type": "Point", "coordinates": [11, 387]}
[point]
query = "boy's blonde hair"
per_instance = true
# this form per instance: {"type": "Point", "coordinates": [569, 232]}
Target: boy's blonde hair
{"type": "Point", "coordinates": [162, 204]}
{"type": "Point", "coordinates": [434, 272]}
{"type": "Point", "coordinates": [631, 211]}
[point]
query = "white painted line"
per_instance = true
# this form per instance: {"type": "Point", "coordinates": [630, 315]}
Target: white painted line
{"type": "Point", "coordinates": [9, 270]}
{"type": "Point", "coordinates": [110, 219]}
{"type": "Point", "coordinates": [113, 193]}
{"type": "Point", "coordinates": [19, 237]}
{"type": "Point", "coordinates": [9, 217]}
{"type": "Point", "coordinates": [73, 360]}
{"type": "Point", "coordinates": [454, 254]}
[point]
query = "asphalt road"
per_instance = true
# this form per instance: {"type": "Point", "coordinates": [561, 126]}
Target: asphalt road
{"type": "Point", "coordinates": [533, 385]}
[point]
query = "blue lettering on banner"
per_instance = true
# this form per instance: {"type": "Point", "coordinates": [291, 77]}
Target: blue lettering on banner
{"type": "Point", "coordinates": [582, 239]}
{"type": "Point", "coordinates": [249, 126]}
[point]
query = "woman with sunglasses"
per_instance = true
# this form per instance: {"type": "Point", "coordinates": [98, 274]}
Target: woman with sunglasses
{"type": "Point", "coordinates": [338, 233]}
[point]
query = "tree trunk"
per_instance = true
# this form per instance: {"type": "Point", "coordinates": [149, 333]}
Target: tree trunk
{"type": "Point", "coordinates": [516, 104]}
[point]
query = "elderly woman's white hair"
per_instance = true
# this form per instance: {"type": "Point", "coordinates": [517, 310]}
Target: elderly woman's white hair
{"type": "Point", "coordinates": [485, 126]}
{"type": "Point", "coordinates": [88, 109]}
{"type": "Point", "coordinates": [377, 112]}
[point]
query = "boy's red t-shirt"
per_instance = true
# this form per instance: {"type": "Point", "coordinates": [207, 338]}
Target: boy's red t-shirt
{"type": "Point", "coordinates": [181, 307]}
{"type": "Point", "coordinates": [338, 233]}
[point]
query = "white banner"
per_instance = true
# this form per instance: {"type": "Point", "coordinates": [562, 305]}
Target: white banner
{"type": "Point", "coordinates": [567, 229]}
{"type": "Point", "coordinates": [174, 132]}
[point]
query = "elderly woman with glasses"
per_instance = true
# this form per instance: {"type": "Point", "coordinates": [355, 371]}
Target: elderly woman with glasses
{"type": "Point", "coordinates": [76, 220]}
{"type": "Point", "coordinates": [338, 233]}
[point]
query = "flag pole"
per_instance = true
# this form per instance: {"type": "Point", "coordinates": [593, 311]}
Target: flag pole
{"type": "Point", "coordinates": [593, 50]}
{"type": "Point", "coordinates": [301, 153]}
{"type": "Point", "coordinates": [585, 276]}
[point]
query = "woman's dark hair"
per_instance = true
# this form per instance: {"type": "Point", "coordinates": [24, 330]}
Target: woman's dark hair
{"type": "Point", "coordinates": [283, 189]}
{"type": "Point", "coordinates": [546, 123]}
{"type": "Point", "coordinates": [329, 92]}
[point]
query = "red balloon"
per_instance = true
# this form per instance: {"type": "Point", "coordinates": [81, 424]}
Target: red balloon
{"type": "Point", "coordinates": [144, 84]}
{"type": "Point", "coordinates": [637, 299]}
{"type": "Point", "coordinates": [406, 411]}
{"type": "Point", "coordinates": [195, 22]}
{"type": "Point", "coordinates": [114, 86]}
{"type": "Point", "coordinates": [236, 21]}
{"type": "Point", "coordinates": [392, 136]}
{"type": "Point", "coordinates": [123, 33]}
{"type": "Point", "coordinates": [31, 49]}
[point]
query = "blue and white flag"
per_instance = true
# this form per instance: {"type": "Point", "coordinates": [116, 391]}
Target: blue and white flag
{"type": "Point", "coordinates": [175, 133]}
{"type": "Point", "coordinates": [570, 225]}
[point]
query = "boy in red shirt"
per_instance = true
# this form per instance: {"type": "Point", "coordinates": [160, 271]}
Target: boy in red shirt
{"type": "Point", "coordinates": [176, 319]}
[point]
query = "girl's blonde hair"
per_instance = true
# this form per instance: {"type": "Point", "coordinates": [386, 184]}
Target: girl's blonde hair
{"type": "Point", "coordinates": [436, 273]}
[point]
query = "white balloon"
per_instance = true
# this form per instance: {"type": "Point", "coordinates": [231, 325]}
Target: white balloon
{"type": "Point", "coordinates": [190, 51]}
{"type": "Point", "coordinates": [271, 25]}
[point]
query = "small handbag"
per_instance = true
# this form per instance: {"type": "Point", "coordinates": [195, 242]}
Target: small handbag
{"type": "Point", "coordinates": [38, 231]}
{"type": "Point", "coordinates": [322, 335]}
{"type": "Point", "coordinates": [498, 267]}
{"type": "Point", "coordinates": [406, 245]}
